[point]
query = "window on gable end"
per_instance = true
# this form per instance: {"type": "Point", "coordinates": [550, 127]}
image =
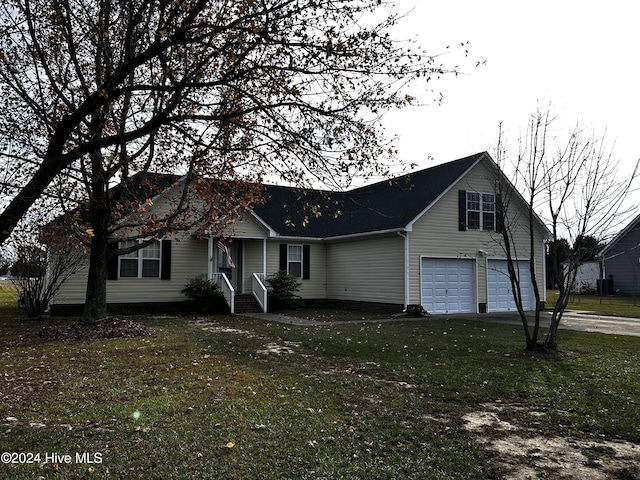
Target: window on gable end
{"type": "Point", "coordinates": [481, 211]}
{"type": "Point", "coordinates": [473, 210]}
{"type": "Point", "coordinates": [488, 211]}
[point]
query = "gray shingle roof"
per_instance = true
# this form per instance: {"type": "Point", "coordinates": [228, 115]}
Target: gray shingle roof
{"type": "Point", "coordinates": [387, 205]}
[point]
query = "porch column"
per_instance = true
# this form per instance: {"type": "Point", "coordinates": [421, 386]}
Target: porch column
{"type": "Point", "coordinates": [210, 250]}
{"type": "Point", "coordinates": [264, 257]}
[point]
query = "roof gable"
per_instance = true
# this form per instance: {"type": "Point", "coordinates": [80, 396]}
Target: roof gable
{"type": "Point", "coordinates": [623, 233]}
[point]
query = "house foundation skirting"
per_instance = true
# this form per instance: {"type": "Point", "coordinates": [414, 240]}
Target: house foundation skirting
{"type": "Point", "coordinates": [179, 307]}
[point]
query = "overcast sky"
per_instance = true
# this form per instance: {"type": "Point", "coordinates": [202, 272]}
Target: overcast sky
{"type": "Point", "coordinates": [582, 57]}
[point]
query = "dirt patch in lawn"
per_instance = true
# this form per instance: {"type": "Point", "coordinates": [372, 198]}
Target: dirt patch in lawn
{"type": "Point", "coordinates": [526, 455]}
{"type": "Point", "coordinates": [208, 325]}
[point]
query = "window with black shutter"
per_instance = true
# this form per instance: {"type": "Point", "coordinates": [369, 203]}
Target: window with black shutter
{"type": "Point", "coordinates": [296, 260]}
{"type": "Point", "coordinates": [152, 261]}
{"type": "Point", "coordinates": [477, 211]}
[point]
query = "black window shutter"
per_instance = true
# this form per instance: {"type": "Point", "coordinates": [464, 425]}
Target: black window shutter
{"type": "Point", "coordinates": [499, 214]}
{"type": "Point", "coordinates": [306, 262]}
{"type": "Point", "coordinates": [112, 262]}
{"type": "Point", "coordinates": [283, 256]}
{"type": "Point", "coordinates": [462, 210]}
{"type": "Point", "coordinates": [165, 273]}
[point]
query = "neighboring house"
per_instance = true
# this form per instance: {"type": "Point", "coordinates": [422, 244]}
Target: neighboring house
{"type": "Point", "coordinates": [587, 276]}
{"type": "Point", "coordinates": [621, 260]}
{"type": "Point", "coordinates": [429, 238]}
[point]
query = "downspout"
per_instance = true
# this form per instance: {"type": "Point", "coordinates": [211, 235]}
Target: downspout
{"type": "Point", "coordinates": [406, 267]}
{"type": "Point", "coordinates": [544, 271]}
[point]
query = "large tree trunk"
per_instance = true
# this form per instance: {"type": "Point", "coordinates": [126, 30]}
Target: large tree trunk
{"type": "Point", "coordinates": [95, 307]}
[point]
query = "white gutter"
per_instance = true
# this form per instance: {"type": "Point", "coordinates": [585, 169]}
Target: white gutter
{"type": "Point", "coordinates": [398, 230]}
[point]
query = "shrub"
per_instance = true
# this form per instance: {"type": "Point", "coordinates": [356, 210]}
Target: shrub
{"type": "Point", "coordinates": [40, 271]}
{"type": "Point", "coordinates": [204, 296]}
{"type": "Point", "coordinates": [282, 287]}
{"type": "Point", "coordinates": [585, 288]}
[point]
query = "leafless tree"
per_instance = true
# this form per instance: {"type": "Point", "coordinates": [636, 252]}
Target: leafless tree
{"type": "Point", "coordinates": [571, 181]}
{"type": "Point", "coordinates": [42, 266]}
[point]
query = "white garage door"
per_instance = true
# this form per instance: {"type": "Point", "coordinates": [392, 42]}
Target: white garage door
{"type": "Point", "coordinates": [499, 291]}
{"type": "Point", "coordinates": [448, 285]}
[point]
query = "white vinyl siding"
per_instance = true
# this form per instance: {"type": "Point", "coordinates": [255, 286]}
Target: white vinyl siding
{"type": "Point", "coordinates": [367, 270]}
{"type": "Point", "coordinates": [252, 261]}
{"type": "Point", "coordinates": [316, 285]}
{"type": "Point", "coordinates": [246, 226]}
{"type": "Point", "coordinates": [188, 260]}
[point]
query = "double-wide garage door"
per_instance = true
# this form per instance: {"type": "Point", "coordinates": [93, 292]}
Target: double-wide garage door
{"type": "Point", "coordinates": [448, 285]}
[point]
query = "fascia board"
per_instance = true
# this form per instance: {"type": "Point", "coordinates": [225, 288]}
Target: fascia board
{"type": "Point", "coordinates": [272, 232]}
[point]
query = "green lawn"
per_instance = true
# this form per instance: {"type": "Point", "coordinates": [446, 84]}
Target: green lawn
{"type": "Point", "coordinates": [607, 305]}
{"type": "Point", "coordinates": [374, 400]}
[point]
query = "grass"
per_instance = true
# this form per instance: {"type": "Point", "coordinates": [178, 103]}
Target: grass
{"type": "Point", "coordinates": [376, 400]}
{"type": "Point", "coordinates": [617, 305]}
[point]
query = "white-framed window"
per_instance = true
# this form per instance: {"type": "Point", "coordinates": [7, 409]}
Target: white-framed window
{"type": "Point", "coordinates": [143, 263]}
{"type": "Point", "coordinates": [294, 260]}
{"type": "Point", "coordinates": [481, 211]}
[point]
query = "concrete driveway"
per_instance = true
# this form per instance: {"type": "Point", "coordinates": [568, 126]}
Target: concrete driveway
{"type": "Point", "coordinates": [588, 322]}
{"type": "Point", "coordinates": [571, 320]}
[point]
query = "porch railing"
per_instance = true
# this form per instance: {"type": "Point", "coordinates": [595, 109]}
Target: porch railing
{"type": "Point", "coordinates": [259, 290]}
{"type": "Point", "coordinates": [226, 288]}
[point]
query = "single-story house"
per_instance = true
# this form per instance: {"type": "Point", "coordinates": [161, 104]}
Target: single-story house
{"type": "Point", "coordinates": [429, 238]}
{"type": "Point", "coordinates": [621, 261]}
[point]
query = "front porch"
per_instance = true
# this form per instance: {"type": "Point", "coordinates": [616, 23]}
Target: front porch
{"type": "Point", "coordinates": [238, 266]}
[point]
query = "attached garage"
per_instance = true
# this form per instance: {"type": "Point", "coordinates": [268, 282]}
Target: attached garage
{"type": "Point", "coordinates": [448, 285]}
{"type": "Point", "coordinates": [499, 291]}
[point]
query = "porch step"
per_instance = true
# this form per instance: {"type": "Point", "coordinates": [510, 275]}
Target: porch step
{"type": "Point", "coordinates": [246, 303]}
